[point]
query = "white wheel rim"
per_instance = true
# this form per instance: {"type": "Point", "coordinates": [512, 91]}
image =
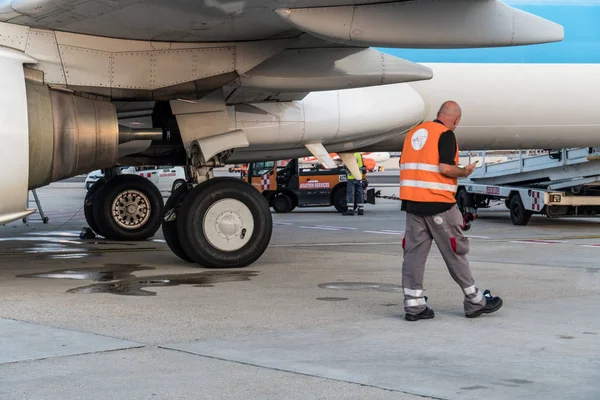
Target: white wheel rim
{"type": "Point", "coordinates": [228, 225]}
{"type": "Point", "coordinates": [131, 209]}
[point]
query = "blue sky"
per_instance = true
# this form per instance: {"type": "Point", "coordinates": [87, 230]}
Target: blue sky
{"type": "Point", "coordinates": [580, 18]}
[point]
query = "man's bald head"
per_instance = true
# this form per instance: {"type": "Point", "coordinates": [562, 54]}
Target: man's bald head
{"type": "Point", "coordinates": [450, 114]}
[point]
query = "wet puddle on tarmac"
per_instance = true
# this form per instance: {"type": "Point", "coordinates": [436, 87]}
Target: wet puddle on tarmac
{"type": "Point", "coordinates": [52, 243]}
{"type": "Point", "coordinates": [362, 286]}
{"type": "Point", "coordinates": [119, 279]}
{"type": "Point", "coordinates": [109, 272]}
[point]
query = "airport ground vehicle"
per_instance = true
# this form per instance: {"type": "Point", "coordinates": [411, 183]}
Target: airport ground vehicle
{"type": "Point", "coordinates": [563, 182]}
{"type": "Point", "coordinates": [301, 185]}
{"type": "Point", "coordinates": [166, 178]}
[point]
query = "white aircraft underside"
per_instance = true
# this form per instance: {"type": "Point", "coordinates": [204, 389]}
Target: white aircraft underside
{"type": "Point", "coordinates": [90, 85]}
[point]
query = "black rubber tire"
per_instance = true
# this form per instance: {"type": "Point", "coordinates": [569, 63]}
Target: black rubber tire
{"type": "Point", "coordinates": [282, 203]}
{"type": "Point", "coordinates": [464, 199]}
{"type": "Point", "coordinates": [339, 199]}
{"type": "Point", "coordinates": [103, 203]}
{"type": "Point", "coordinates": [518, 214]}
{"type": "Point", "coordinates": [88, 209]}
{"type": "Point", "coordinates": [191, 231]}
{"type": "Point", "coordinates": [176, 185]}
{"type": "Point", "coordinates": [169, 228]}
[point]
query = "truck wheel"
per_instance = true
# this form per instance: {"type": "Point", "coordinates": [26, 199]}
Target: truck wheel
{"type": "Point", "coordinates": [128, 207]}
{"type": "Point", "coordinates": [88, 205]}
{"type": "Point", "coordinates": [283, 203]}
{"type": "Point", "coordinates": [518, 214]}
{"type": "Point", "coordinates": [339, 199]}
{"type": "Point", "coordinates": [464, 200]}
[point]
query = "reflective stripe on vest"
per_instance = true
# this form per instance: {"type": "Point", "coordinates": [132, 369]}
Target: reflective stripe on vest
{"type": "Point", "coordinates": [359, 160]}
{"type": "Point", "coordinates": [420, 176]}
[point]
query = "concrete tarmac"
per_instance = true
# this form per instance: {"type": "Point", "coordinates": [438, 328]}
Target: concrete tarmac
{"type": "Point", "coordinates": [319, 316]}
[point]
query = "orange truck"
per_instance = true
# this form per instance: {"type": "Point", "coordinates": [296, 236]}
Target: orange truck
{"type": "Point", "coordinates": [296, 185]}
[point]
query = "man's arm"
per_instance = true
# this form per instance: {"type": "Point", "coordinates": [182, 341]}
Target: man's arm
{"type": "Point", "coordinates": [452, 171]}
{"type": "Point", "coordinates": [447, 151]}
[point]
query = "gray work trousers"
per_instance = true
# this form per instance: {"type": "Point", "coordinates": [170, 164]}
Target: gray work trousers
{"type": "Point", "coordinates": [446, 230]}
{"type": "Point", "coordinates": [355, 189]}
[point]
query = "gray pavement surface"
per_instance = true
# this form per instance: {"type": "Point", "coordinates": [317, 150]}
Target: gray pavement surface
{"type": "Point", "coordinates": [319, 316]}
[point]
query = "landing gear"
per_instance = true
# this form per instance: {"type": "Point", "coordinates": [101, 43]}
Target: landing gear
{"type": "Point", "coordinates": [223, 223]}
{"type": "Point", "coordinates": [124, 207]}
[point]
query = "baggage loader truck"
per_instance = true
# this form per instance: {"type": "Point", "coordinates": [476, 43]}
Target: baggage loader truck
{"type": "Point", "coordinates": [561, 183]}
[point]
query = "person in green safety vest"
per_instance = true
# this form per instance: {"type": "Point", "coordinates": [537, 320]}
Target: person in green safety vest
{"type": "Point", "coordinates": [355, 188]}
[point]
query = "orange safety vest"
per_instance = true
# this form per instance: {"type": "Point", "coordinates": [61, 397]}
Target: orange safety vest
{"type": "Point", "coordinates": [420, 176]}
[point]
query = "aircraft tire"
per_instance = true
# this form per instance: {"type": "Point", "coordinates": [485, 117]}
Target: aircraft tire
{"type": "Point", "coordinates": [128, 207]}
{"type": "Point", "coordinates": [169, 228]}
{"type": "Point", "coordinates": [224, 223]}
{"type": "Point", "coordinates": [88, 205]}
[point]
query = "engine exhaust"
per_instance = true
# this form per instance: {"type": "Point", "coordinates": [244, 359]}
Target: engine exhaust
{"type": "Point", "coordinates": [127, 134]}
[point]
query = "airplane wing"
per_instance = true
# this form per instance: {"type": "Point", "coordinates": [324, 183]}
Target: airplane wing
{"type": "Point", "coordinates": [264, 50]}
{"type": "Point", "coordinates": [382, 23]}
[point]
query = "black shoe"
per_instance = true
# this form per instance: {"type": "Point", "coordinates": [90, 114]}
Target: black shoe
{"type": "Point", "coordinates": [425, 314]}
{"type": "Point", "coordinates": [361, 212]}
{"type": "Point", "coordinates": [348, 213]}
{"type": "Point", "coordinates": [493, 304]}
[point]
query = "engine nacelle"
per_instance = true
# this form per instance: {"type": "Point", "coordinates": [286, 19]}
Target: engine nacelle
{"type": "Point", "coordinates": [340, 120]}
{"type": "Point", "coordinates": [47, 134]}
{"type": "Point", "coordinates": [68, 135]}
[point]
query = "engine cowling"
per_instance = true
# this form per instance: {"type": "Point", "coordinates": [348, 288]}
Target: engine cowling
{"type": "Point", "coordinates": [68, 134]}
{"type": "Point", "coordinates": [46, 134]}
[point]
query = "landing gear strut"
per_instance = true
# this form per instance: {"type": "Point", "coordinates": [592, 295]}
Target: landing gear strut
{"type": "Point", "coordinates": [220, 223]}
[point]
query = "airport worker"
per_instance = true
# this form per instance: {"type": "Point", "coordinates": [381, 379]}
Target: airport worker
{"type": "Point", "coordinates": [428, 183]}
{"type": "Point", "coordinates": [355, 188]}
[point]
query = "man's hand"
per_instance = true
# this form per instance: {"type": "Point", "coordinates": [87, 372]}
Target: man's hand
{"type": "Point", "coordinates": [469, 169]}
{"type": "Point", "coordinates": [454, 171]}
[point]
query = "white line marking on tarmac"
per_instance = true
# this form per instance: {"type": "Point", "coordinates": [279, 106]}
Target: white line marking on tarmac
{"type": "Point", "coordinates": [336, 244]}
{"type": "Point", "coordinates": [537, 241]}
{"type": "Point", "coordinates": [336, 227]}
{"type": "Point", "coordinates": [282, 223]}
{"type": "Point", "coordinates": [319, 227]}
{"type": "Point", "coordinates": [390, 230]}
{"type": "Point", "coordinates": [477, 237]}
{"type": "Point", "coordinates": [385, 233]}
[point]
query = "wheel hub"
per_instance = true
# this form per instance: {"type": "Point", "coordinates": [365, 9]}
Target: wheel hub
{"type": "Point", "coordinates": [131, 209]}
{"type": "Point", "coordinates": [228, 225]}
